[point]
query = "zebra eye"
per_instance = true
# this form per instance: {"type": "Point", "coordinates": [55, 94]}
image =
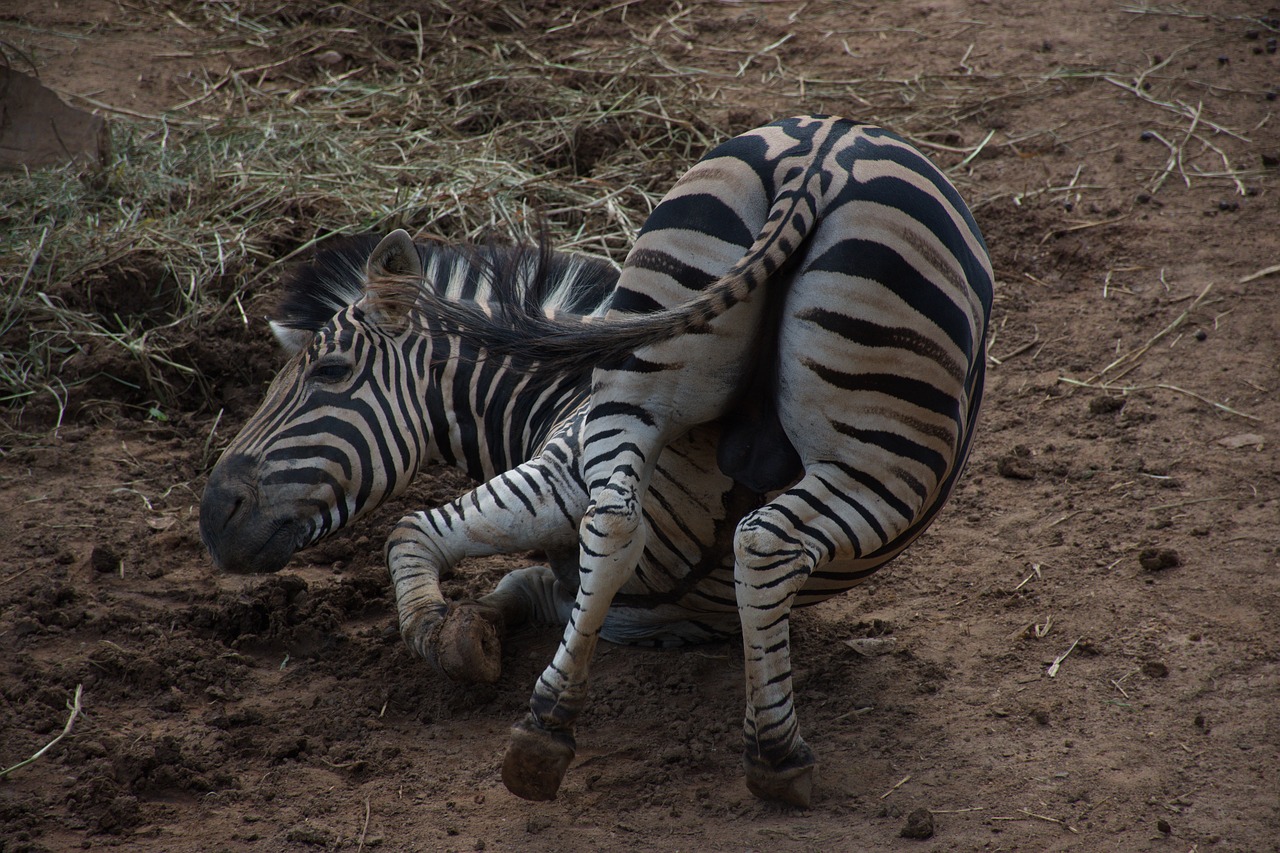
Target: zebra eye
{"type": "Point", "coordinates": [330, 372]}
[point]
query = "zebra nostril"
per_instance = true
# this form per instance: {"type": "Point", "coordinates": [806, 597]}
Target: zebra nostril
{"type": "Point", "coordinates": [236, 506]}
{"type": "Point", "coordinates": [228, 496]}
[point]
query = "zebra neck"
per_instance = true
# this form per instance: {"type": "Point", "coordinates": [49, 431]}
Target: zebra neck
{"type": "Point", "coordinates": [487, 415]}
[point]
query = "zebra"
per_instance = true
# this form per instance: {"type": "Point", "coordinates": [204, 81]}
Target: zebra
{"type": "Point", "coordinates": [773, 399]}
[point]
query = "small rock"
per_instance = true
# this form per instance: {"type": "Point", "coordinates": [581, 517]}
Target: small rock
{"type": "Point", "coordinates": [24, 627]}
{"type": "Point", "coordinates": [919, 825]}
{"type": "Point", "coordinates": [1163, 826]}
{"type": "Point", "coordinates": [1159, 559]}
{"type": "Point", "coordinates": [329, 57]}
{"type": "Point", "coordinates": [1244, 439]}
{"type": "Point", "coordinates": [872, 646]}
{"type": "Point", "coordinates": [315, 836]}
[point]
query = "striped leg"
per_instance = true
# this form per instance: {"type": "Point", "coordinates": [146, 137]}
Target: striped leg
{"type": "Point", "coordinates": [612, 537]}
{"type": "Point", "coordinates": [777, 548]}
{"type": "Point", "coordinates": [533, 506]}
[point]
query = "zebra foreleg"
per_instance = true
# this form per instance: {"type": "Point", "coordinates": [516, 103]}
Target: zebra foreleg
{"type": "Point", "coordinates": [612, 536]}
{"type": "Point", "coordinates": [416, 562]}
{"type": "Point", "coordinates": [463, 640]}
{"type": "Point", "coordinates": [466, 643]}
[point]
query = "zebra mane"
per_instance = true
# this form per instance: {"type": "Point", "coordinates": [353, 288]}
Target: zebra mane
{"type": "Point", "coordinates": [544, 281]}
{"type": "Point", "coordinates": [331, 280]}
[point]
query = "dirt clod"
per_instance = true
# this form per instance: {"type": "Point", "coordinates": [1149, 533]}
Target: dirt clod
{"type": "Point", "coordinates": [1155, 669]}
{"type": "Point", "coordinates": [1105, 405]}
{"type": "Point", "coordinates": [104, 559]}
{"type": "Point", "coordinates": [1014, 466]}
{"type": "Point", "coordinates": [1159, 559]}
{"type": "Point", "coordinates": [919, 825]}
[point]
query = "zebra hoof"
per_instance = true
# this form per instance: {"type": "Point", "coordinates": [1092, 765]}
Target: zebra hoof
{"type": "Point", "coordinates": [790, 782]}
{"type": "Point", "coordinates": [465, 645]}
{"type": "Point", "coordinates": [536, 760]}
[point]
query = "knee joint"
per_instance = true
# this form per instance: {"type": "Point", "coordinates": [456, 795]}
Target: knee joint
{"type": "Point", "coordinates": [615, 514]}
{"type": "Point", "coordinates": [764, 540]}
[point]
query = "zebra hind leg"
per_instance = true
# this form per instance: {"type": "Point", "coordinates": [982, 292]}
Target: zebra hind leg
{"type": "Point", "coordinates": [776, 549]}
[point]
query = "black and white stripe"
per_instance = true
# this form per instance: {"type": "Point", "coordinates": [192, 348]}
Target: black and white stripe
{"type": "Point", "coordinates": [776, 399]}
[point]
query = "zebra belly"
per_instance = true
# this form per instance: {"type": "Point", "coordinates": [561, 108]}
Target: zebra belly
{"type": "Point", "coordinates": [667, 627]}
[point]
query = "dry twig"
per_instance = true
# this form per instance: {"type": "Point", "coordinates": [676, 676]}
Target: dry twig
{"type": "Point", "coordinates": [74, 707]}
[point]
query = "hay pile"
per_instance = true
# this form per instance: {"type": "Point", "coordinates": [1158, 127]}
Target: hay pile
{"type": "Point", "coordinates": [455, 125]}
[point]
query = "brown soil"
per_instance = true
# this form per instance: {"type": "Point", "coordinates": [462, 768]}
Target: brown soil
{"type": "Point", "coordinates": [1128, 529]}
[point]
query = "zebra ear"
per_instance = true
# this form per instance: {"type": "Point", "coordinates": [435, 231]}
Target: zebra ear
{"type": "Point", "coordinates": [393, 261]}
{"type": "Point", "coordinates": [292, 341]}
{"type": "Point", "coordinates": [395, 256]}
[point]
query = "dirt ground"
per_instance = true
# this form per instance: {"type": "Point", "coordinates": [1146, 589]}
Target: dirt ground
{"type": "Point", "coordinates": [1085, 646]}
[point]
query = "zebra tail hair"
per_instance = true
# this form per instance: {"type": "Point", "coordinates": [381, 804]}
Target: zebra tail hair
{"type": "Point", "coordinates": [514, 326]}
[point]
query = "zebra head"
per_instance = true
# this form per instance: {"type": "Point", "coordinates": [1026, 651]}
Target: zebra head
{"type": "Point", "coordinates": [333, 439]}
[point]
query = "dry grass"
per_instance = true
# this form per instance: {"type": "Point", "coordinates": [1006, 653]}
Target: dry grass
{"type": "Point", "coordinates": [437, 121]}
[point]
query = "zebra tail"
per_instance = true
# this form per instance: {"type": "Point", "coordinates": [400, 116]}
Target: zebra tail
{"type": "Point", "coordinates": [515, 326]}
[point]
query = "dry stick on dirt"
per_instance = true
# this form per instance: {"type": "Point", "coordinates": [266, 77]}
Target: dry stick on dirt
{"type": "Point", "coordinates": [1032, 814]}
{"type": "Point", "coordinates": [1115, 682]}
{"type": "Point", "coordinates": [1139, 87]}
{"type": "Point", "coordinates": [1162, 386]}
{"type": "Point", "coordinates": [1058, 232]}
{"type": "Point", "coordinates": [1135, 88]}
{"type": "Point", "coordinates": [1177, 504]}
{"type": "Point", "coordinates": [1052, 671]}
{"type": "Point", "coordinates": [1135, 354]}
{"type": "Point", "coordinates": [901, 782]}
{"type": "Point", "coordinates": [74, 707]}
{"type": "Point", "coordinates": [364, 829]}
{"type": "Point", "coordinates": [1262, 273]}
{"type": "Point", "coordinates": [1017, 352]}
{"type": "Point", "coordinates": [1035, 573]}
{"type": "Point", "coordinates": [16, 575]}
